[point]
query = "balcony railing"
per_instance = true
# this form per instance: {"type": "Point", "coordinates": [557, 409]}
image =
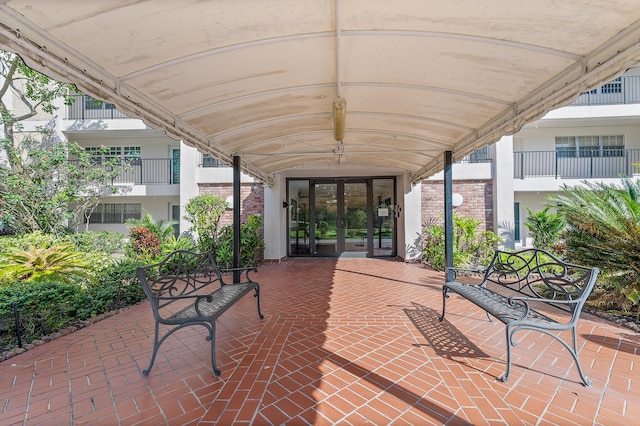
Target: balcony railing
{"type": "Point", "coordinates": [481, 155]}
{"type": "Point", "coordinates": [596, 164]}
{"type": "Point", "coordinates": [147, 171]}
{"type": "Point", "coordinates": [623, 90]}
{"type": "Point", "coordinates": [86, 108]}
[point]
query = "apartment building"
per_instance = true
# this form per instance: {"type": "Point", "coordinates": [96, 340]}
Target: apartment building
{"type": "Point", "coordinates": [595, 138]}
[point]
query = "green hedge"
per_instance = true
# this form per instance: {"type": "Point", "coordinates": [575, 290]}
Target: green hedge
{"type": "Point", "coordinates": [47, 307]}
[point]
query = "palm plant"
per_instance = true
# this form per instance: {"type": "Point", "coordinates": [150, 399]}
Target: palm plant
{"type": "Point", "coordinates": [59, 263]}
{"type": "Point", "coordinates": [545, 227]}
{"type": "Point", "coordinates": [604, 228]}
{"type": "Point", "coordinates": [162, 228]}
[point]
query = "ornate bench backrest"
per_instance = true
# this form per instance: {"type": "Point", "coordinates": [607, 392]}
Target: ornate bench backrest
{"type": "Point", "coordinates": [538, 273]}
{"type": "Point", "coordinates": [180, 273]}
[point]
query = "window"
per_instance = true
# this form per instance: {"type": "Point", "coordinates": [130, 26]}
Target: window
{"type": "Point", "coordinates": [132, 152]}
{"type": "Point", "coordinates": [91, 103]}
{"type": "Point", "coordinates": [614, 86]}
{"type": "Point", "coordinates": [100, 155]}
{"type": "Point", "coordinates": [590, 146]}
{"type": "Point", "coordinates": [209, 161]}
{"type": "Point", "coordinates": [115, 213]}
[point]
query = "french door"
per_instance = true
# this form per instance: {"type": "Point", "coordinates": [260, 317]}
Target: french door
{"type": "Point", "coordinates": [341, 218]}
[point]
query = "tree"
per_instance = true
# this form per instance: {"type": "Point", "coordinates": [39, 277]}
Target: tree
{"type": "Point", "coordinates": [204, 212]}
{"type": "Point", "coordinates": [45, 184]}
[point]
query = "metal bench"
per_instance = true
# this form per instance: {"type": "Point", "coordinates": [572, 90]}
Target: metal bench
{"type": "Point", "coordinates": [517, 282]}
{"type": "Point", "coordinates": [186, 289]}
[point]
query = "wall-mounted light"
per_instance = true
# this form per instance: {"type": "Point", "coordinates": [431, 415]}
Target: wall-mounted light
{"type": "Point", "coordinates": [456, 200]}
{"type": "Point", "coordinates": [229, 202]}
{"type": "Point", "coordinates": [285, 204]}
{"type": "Point", "coordinates": [339, 118]}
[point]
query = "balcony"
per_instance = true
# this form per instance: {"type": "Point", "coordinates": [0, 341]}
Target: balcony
{"type": "Point", "coordinates": [622, 90]}
{"type": "Point", "coordinates": [596, 164]}
{"type": "Point", "coordinates": [149, 171]}
{"type": "Point", "coordinates": [87, 108]}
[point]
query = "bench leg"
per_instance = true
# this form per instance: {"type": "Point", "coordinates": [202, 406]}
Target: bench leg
{"type": "Point", "coordinates": [444, 302]}
{"type": "Point", "coordinates": [510, 342]}
{"type": "Point", "coordinates": [573, 350]}
{"type": "Point", "coordinates": [257, 296]}
{"type": "Point", "coordinates": [156, 345]}
{"type": "Point", "coordinates": [212, 338]}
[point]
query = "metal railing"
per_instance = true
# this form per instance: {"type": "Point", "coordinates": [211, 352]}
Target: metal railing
{"type": "Point", "coordinates": [596, 164]}
{"type": "Point", "coordinates": [86, 108]}
{"type": "Point", "coordinates": [147, 171]}
{"type": "Point", "coordinates": [624, 90]}
{"type": "Point", "coordinates": [481, 155]}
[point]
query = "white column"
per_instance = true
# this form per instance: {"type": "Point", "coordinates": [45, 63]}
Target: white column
{"type": "Point", "coordinates": [410, 241]}
{"type": "Point", "coordinates": [189, 163]}
{"type": "Point", "coordinates": [503, 191]}
{"type": "Point", "coordinates": [275, 220]}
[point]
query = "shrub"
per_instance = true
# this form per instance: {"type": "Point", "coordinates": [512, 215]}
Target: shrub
{"type": "Point", "coordinates": [44, 307]}
{"type": "Point", "coordinates": [545, 229]}
{"type": "Point", "coordinates": [205, 212]}
{"type": "Point", "coordinates": [605, 235]}
{"type": "Point", "coordinates": [469, 248]}
{"type": "Point", "coordinates": [174, 243]}
{"type": "Point", "coordinates": [106, 242]}
{"type": "Point", "coordinates": [116, 288]}
{"type": "Point", "coordinates": [59, 263]}
{"type": "Point", "coordinates": [251, 244]}
{"type": "Point", "coordinates": [144, 243]}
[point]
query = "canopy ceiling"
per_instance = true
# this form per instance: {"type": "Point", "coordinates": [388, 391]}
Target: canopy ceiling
{"type": "Point", "coordinates": [257, 78]}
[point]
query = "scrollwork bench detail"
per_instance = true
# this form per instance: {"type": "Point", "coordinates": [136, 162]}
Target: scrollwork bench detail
{"type": "Point", "coordinates": [187, 288]}
{"type": "Point", "coordinates": [528, 290]}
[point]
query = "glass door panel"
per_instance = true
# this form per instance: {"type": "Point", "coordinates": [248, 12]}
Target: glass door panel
{"type": "Point", "coordinates": [298, 219]}
{"type": "Point", "coordinates": [384, 217]}
{"type": "Point", "coordinates": [325, 221]}
{"type": "Point", "coordinates": [354, 217]}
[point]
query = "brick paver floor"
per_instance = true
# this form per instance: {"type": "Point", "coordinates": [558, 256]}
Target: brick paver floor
{"type": "Point", "coordinates": [343, 341]}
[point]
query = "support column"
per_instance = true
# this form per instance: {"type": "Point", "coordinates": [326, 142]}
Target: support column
{"type": "Point", "coordinates": [236, 217]}
{"type": "Point", "coordinates": [448, 211]}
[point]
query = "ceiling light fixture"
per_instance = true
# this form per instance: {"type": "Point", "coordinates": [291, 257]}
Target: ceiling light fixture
{"type": "Point", "coordinates": [339, 118]}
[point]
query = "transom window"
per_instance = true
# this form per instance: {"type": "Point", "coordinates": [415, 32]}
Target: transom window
{"type": "Point", "coordinates": [590, 146]}
{"type": "Point", "coordinates": [116, 213]}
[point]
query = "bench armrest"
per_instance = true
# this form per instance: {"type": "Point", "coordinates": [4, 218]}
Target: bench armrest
{"type": "Point", "coordinates": [454, 272]}
{"type": "Point", "coordinates": [243, 271]}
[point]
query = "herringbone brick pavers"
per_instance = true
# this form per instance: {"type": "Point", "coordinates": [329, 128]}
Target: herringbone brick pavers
{"type": "Point", "coordinates": [344, 341]}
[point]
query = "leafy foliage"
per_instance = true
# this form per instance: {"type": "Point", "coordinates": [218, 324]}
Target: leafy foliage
{"type": "Point", "coordinates": [545, 228]}
{"type": "Point", "coordinates": [604, 230]}
{"type": "Point", "coordinates": [40, 188]}
{"type": "Point", "coordinates": [144, 243]}
{"type": "Point", "coordinates": [39, 264]}
{"type": "Point", "coordinates": [45, 191]}
{"type": "Point", "coordinates": [162, 228]}
{"type": "Point", "coordinates": [205, 212]}
{"type": "Point", "coordinates": [251, 244]}
{"type": "Point", "coordinates": [45, 307]}
{"type": "Point", "coordinates": [469, 247]}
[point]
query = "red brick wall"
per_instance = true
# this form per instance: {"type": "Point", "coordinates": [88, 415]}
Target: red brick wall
{"type": "Point", "coordinates": [477, 202]}
{"type": "Point", "coordinates": [251, 196]}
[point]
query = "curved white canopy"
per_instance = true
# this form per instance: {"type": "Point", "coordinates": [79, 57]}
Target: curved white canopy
{"type": "Point", "coordinates": [257, 78]}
